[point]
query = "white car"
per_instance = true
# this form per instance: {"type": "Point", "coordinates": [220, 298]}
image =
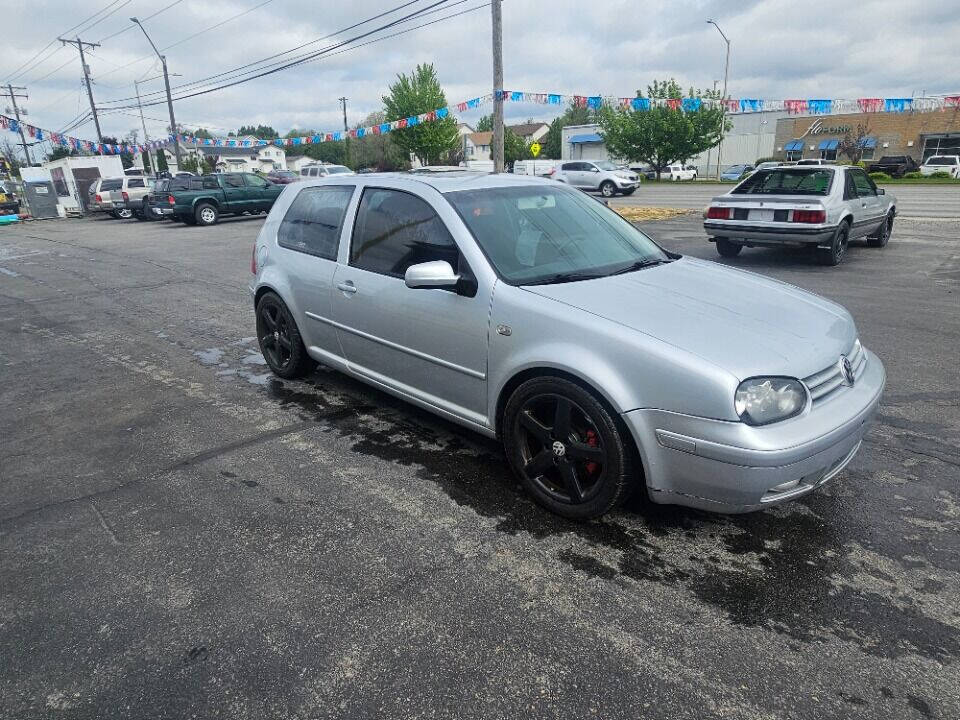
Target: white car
{"type": "Point", "coordinates": [600, 175]}
{"type": "Point", "coordinates": [941, 163]}
{"type": "Point", "coordinates": [678, 172]}
{"type": "Point", "coordinates": [319, 171]}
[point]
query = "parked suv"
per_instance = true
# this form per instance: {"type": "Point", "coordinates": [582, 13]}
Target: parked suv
{"type": "Point", "coordinates": [129, 200]}
{"type": "Point", "coordinates": [101, 199]}
{"type": "Point", "coordinates": [941, 163]}
{"type": "Point", "coordinates": [600, 175]}
{"type": "Point", "coordinates": [319, 171]}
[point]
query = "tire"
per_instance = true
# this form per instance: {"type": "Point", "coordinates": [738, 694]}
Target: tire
{"type": "Point", "coordinates": [834, 254]}
{"type": "Point", "coordinates": [279, 339]}
{"type": "Point", "coordinates": [882, 236]}
{"type": "Point", "coordinates": [608, 189]}
{"type": "Point", "coordinates": [206, 214]}
{"type": "Point", "coordinates": [566, 448]}
{"type": "Point", "coordinates": [628, 192]}
{"type": "Point", "coordinates": [124, 214]}
{"type": "Point", "coordinates": [727, 248]}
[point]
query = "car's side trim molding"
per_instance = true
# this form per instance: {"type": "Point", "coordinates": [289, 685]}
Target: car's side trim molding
{"type": "Point", "coordinates": [400, 348]}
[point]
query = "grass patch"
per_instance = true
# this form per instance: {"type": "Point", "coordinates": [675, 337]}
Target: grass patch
{"type": "Point", "coordinates": [647, 214]}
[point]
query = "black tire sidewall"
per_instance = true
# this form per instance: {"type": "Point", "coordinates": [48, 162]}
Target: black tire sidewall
{"type": "Point", "coordinates": [618, 471]}
{"type": "Point", "coordinates": [833, 256]}
{"type": "Point", "coordinates": [608, 189]}
{"type": "Point", "coordinates": [726, 248]}
{"type": "Point", "coordinates": [300, 362]}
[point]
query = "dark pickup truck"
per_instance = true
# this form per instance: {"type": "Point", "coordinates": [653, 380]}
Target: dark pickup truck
{"type": "Point", "coordinates": [894, 165]}
{"type": "Point", "coordinates": [208, 197]}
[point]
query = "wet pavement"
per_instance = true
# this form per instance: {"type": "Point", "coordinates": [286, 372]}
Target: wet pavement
{"type": "Point", "coordinates": [183, 534]}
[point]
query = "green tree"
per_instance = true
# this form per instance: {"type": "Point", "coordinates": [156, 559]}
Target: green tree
{"type": "Point", "coordinates": [190, 164]}
{"type": "Point", "coordinates": [485, 124]}
{"type": "Point", "coordinates": [514, 148]}
{"type": "Point", "coordinates": [661, 136]}
{"type": "Point", "coordinates": [377, 151]}
{"type": "Point", "coordinates": [200, 133]}
{"type": "Point", "coordinates": [209, 165]}
{"type": "Point", "coordinates": [60, 151]}
{"type": "Point", "coordinates": [417, 93]}
{"type": "Point", "coordinates": [264, 132]}
{"type": "Point", "coordinates": [162, 162]}
{"type": "Point", "coordinates": [146, 162]}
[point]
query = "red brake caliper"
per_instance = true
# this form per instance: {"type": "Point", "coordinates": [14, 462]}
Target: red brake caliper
{"type": "Point", "coordinates": [592, 441]}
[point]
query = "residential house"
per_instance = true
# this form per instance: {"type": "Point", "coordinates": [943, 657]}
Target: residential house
{"type": "Point", "coordinates": [477, 146]}
{"type": "Point", "coordinates": [257, 158]}
{"type": "Point", "coordinates": [300, 161]}
{"type": "Point", "coordinates": [530, 132]}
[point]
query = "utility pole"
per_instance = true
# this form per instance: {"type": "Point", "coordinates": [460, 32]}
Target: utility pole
{"type": "Point", "coordinates": [86, 75]}
{"type": "Point", "coordinates": [136, 84]}
{"type": "Point", "coordinates": [346, 137]}
{"type": "Point", "coordinates": [726, 72]}
{"type": "Point", "coordinates": [496, 144]}
{"type": "Point", "coordinates": [166, 82]}
{"type": "Point", "coordinates": [16, 111]}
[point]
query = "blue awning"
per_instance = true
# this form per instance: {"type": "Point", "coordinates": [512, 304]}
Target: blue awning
{"type": "Point", "coordinates": [868, 142]}
{"type": "Point", "coordinates": [794, 145]}
{"type": "Point", "coordinates": [828, 145]}
{"type": "Point", "coordinates": [588, 138]}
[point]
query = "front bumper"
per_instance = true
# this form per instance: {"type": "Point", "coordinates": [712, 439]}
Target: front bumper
{"type": "Point", "coordinates": [770, 233]}
{"type": "Point", "coordinates": [732, 467]}
{"type": "Point", "coordinates": [625, 184]}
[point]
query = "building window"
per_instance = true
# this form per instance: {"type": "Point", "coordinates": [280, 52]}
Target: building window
{"type": "Point", "coordinates": [794, 155]}
{"type": "Point", "coordinates": [868, 153]}
{"type": "Point", "coordinates": [828, 154]}
{"type": "Point", "coordinates": [941, 145]}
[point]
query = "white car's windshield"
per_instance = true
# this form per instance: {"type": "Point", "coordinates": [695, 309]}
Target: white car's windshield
{"type": "Point", "coordinates": [942, 161]}
{"type": "Point", "coordinates": [538, 235]}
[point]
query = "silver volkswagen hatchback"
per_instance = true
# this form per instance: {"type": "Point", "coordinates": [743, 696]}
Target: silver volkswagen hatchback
{"type": "Point", "coordinates": [528, 311]}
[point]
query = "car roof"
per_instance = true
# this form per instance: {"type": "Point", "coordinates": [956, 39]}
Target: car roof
{"type": "Point", "coordinates": [446, 182]}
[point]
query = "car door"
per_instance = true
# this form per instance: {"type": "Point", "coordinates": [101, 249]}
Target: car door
{"type": "Point", "coordinates": [234, 192]}
{"type": "Point", "coordinates": [261, 194]}
{"type": "Point", "coordinates": [308, 240]}
{"type": "Point", "coordinates": [429, 344]}
{"type": "Point", "coordinates": [571, 173]}
{"type": "Point", "coordinates": [872, 209]}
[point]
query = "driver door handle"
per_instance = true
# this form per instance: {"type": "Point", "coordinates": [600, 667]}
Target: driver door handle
{"type": "Point", "coordinates": [347, 287]}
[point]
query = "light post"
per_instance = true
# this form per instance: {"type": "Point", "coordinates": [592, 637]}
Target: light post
{"type": "Point", "coordinates": [726, 73]}
{"type": "Point", "coordinates": [136, 85]}
{"type": "Point", "coordinates": [166, 80]}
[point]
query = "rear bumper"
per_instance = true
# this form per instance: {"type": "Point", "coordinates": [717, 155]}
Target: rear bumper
{"type": "Point", "coordinates": [9, 208]}
{"type": "Point", "coordinates": [731, 467]}
{"type": "Point", "coordinates": [770, 234]}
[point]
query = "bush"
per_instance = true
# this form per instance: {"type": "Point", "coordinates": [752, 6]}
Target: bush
{"type": "Point", "coordinates": [880, 176]}
{"type": "Point", "coordinates": [940, 175]}
{"type": "Point", "coordinates": [912, 175]}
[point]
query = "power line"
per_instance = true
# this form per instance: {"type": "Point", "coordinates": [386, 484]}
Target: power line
{"type": "Point", "coordinates": [148, 17]}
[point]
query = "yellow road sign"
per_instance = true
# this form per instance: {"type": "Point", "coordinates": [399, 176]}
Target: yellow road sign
{"type": "Point", "coordinates": [535, 149]}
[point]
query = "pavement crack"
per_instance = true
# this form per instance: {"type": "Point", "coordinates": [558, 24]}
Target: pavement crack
{"type": "Point", "coordinates": [104, 524]}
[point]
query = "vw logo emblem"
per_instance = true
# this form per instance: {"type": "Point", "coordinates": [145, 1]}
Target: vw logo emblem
{"type": "Point", "coordinates": [559, 449]}
{"type": "Point", "coordinates": [847, 368]}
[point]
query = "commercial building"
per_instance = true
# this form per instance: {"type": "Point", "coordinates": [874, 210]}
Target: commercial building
{"type": "Point", "coordinates": [917, 134]}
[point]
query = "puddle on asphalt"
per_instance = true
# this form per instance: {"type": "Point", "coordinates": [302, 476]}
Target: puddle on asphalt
{"type": "Point", "coordinates": [777, 569]}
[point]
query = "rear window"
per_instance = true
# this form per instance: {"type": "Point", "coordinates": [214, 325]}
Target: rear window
{"type": "Point", "coordinates": [111, 185]}
{"type": "Point", "coordinates": [787, 181]}
{"type": "Point", "coordinates": [893, 159]}
{"type": "Point", "coordinates": [179, 184]}
{"type": "Point", "coordinates": [942, 161]}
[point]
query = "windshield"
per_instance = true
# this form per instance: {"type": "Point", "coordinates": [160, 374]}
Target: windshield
{"type": "Point", "coordinates": [605, 165]}
{"type": "Point", "coordinates": [942, 161]}
{"type": "Point", "coordinates": [533, 233]}
{"type": "Point", "coordinates": [337, 169]}
{"type": "Point", "coordinates": [787, 181]}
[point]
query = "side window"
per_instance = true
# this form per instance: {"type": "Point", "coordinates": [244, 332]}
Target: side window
{"type": "Point", "coordinates": [313, 221]}
{"type": "Point", "coordinates": [209, 183]}
{"type": "Point", "coordinates": [863, 184]}
{"type": "Point", "coordinates": [136, 182]}
{"type": "Point", "coordinates": [233, 180]}
{"type": "Point", "coordinates": [255, 181]}
{"type": "Point", "coordinates": [570, 166]}
{"type": "Point", "coordinates": [304, 172]}
{"type": "Point", "coordinates": [395, 230]}
{"type": "Point", "coordinates": [849, 192]}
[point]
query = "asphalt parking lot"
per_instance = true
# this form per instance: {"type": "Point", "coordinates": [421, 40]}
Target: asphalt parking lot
{"type": "Point", "coordinates": [182, 535]}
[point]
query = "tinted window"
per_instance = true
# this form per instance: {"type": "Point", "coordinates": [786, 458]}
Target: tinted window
{"type": "Point", "coordinates": [209, 183]}
{"type": "Point", "coordinates": [233, 180]}
{"type": "Point", "coordinates": [787, 181]}
{"type": "Point", "coordinates": [863, 184]}
{"type": "Point", "coordinates": [304, 171]}
{"type": "Point", "coordinates": [849, 192]}
{"type": "Point", "coordinates": [570, 166]}
{"type": "Point", "coordinates": [312, 224]}
{"type": "Point", "coordinates": [395, 230]}
{"type": "Point", "coordinates": [179, 184]}
{"type": "Point", "coordinates": [254, 181]}
{"type": "Point", "coordinates": [161, 185]}
{"type": "Point", "coordinates": [111, 185]}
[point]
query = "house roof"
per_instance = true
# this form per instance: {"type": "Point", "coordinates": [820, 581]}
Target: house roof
{"type": "Point", "coordinates": [480, 138]}
{"type": "Point", "coordinates": [526, 129]}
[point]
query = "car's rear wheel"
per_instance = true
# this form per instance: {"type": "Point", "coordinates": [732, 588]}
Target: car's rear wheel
{"type": "Point", "coordinates": [566, 448]}
{"type": "Point", "coordinates": [206, 214]}
{"type": "Point", "coordinates": [279, 339]}
{"type": "Point", "coordinates": [882, 236]}
{"type": "Point", "coordinates": [727, 248]}
{"type": "Point", "coordinates": [608, 189]}
{"type": "Point", "coordinates": [834, 254]}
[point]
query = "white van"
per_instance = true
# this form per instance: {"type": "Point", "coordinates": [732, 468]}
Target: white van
{"type": "Point", "coordinates": [540, 167]}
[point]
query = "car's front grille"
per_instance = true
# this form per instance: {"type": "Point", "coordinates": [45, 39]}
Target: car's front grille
{"type": "Point", "coordinates": [824, 383]}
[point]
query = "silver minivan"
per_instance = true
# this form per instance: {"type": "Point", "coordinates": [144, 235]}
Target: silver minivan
{"type": "Point", "coordinates": [526, 311]}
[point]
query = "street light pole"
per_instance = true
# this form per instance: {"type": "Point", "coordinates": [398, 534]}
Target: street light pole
{"type": "Point", "coordinates": [496, 142]}
{"type": "Point", "coordinates": [726, 73]}
{"type": "Point", "coordinates": [166, 82]}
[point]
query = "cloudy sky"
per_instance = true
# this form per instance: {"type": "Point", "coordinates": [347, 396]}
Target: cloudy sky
{"type": "Point", "coordinates": [780, 49]}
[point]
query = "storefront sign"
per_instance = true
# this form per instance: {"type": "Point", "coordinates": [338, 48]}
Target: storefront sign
{"type": "Point", "coordinates": [818, 128]}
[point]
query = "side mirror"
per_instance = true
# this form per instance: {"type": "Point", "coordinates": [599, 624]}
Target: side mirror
{"type": "Point", "coordinates": [594, 170]}
{"type": "Point", "coordinates": [881, 191]}
{"type": "Point", "coordinates": [433, 274]}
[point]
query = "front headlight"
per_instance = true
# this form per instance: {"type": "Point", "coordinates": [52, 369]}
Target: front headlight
{"type": "Point", "coordinates": [764, 400]}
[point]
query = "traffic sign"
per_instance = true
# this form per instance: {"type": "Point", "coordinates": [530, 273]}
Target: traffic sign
{"type": "Point", "coordinates": [535, 149]}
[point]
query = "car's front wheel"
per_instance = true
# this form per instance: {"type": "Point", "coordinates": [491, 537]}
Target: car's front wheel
{"type": "Point", "coordinates": [882, 236]}
{"type": "Point", "coordinates": [833, 255]}
{"type": "Point", "coordinates": [608, 189]}
{"type": "Point", "coordinates": [279, 339]}
{"type": "Point", "coordinates": [566, 448]}
{"type": "Point", "coordinates": [727, 248]}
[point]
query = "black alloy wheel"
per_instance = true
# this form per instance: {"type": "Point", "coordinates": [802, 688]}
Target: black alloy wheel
{"type": "Point", "coordinates": [279, 339]}
{"type": "Point", "coordinates": [566, 448]}
{"type": "Point", "coordinates": [833, 255]}
{"type": "Point", "coordinates": [882, 236]}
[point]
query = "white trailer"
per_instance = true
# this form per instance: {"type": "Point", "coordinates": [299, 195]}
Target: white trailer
{"type": "Point", "coordinates": [541, 167]}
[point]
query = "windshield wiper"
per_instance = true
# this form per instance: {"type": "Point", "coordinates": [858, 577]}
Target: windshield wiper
{"type": "Point", "coordinates": [566, 277]}
{"type": "Point", "coordinates": [641, 264]}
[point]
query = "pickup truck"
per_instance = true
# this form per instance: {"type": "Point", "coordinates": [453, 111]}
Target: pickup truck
{"type": "Point", "coordinates": [208, 197]}
{"type": "Point", "coordinates": [894, 165]}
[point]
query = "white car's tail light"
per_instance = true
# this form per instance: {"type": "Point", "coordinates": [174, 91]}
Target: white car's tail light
{"type": "Point", "coordinates": [719, 213]}
{"type": "Point", "coordinates": [814, 217]}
